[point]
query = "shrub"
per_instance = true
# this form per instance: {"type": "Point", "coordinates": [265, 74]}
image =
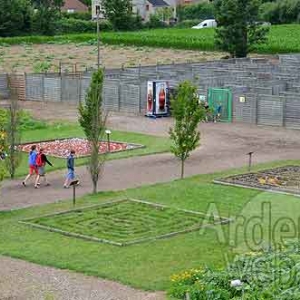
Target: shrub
{"type": "Point", "coordinates": [281, 11]}
{"type": "Point", "coordinates": [27, 122]}
{"type": "Point", "coordinates": [155, 22]}
{"type": "Point", "coordinates": [265, 275]}
{"type": "Point", "coordinates": [195, 12]}
{"type": "Point", "coordinates": [66, 26]}
{"type": "Point", "coordinates": [86, 16]}
{"type": "Point", "coordinates": [187, 23]}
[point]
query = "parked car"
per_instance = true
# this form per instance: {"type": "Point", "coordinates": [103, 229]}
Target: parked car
{"type": "Point", "coordinates": [206, 24]}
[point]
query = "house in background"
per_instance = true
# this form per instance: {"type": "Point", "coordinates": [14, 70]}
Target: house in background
{"type": "Point", "coordinates": [72, 6]}
{"type": "Point", "coordinates": [142, 7]}
{"type": "Point", "coordinates": [146, 8]}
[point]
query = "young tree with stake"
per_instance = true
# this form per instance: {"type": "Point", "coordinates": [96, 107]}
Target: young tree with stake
{"type": "Point", "coordinates": [188, 114]}
{"type": "Point", "coordinates": [92, 120]}
{"type": "Point", "coordinates": [13, 136]}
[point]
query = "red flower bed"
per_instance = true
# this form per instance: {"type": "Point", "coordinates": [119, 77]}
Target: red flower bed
{"type": "Point", "coordinates": [61, 148]}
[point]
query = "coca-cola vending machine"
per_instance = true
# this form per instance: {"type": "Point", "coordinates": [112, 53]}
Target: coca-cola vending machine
{"type": "Point", "coordinates": [157, 98]}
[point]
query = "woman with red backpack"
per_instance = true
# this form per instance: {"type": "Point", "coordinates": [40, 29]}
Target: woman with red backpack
{"type": "Point", "coordinates": [41, 161]}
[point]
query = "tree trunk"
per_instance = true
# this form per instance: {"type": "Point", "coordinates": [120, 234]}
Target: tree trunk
{"type": "Point", "coordinates": [182, 169]}
{"type": "Point", "coordinates": [95, 184]}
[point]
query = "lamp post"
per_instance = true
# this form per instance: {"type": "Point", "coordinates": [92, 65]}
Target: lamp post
{"type": "Point", "coordinates": [108, 132]}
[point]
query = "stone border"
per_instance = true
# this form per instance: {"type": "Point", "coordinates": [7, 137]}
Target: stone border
{"type": "Point", "coordinates": [136, 146]}
{"type": "Point", "coordinates": [28, 222]}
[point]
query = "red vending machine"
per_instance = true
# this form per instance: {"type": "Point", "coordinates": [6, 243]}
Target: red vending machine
{"type": "Point", "coordinates": [157, 98]}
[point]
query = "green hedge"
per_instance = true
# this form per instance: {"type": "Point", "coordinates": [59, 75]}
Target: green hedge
{"type": "Point", "coordinates": [281, 11]}
{"type": "Point", "coordinates": [187, 23]}
{"type": "Point", "coordinates": [87, 16]}
{"type": "Point", "coordinates": [67, 26]}
{"type": "Point", "coordinates": [195, 12]}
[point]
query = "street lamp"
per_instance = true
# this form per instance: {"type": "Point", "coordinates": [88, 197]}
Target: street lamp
{"type": "Point", "coordinates": [108, 132]}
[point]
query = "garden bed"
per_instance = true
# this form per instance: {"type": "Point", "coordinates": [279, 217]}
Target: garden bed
{"type": "Point", "coordinates": [283, 179]}
{"type": "Point", "coordinates": [61, 147]}
{"type": "Point", "coordinates": [124, 222]}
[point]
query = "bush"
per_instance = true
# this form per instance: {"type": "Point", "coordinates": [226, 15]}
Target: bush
{"type": "Point", "coordinates": [281, 11]}
{"type": "Point", "coordinates": [265, 275]}
{"type": "Point", "coordinates": [187, 23]}
{"type": "Point", "coordinates": [195, 12]}
{"type": "Point", "coordinates": [86, 16]}
{"type": "Point", "coordinates": [155, 22]}
{"type": "Point", "coordinates": [66, 26]}
{"type": "Point", "coordinates": [27, 122]}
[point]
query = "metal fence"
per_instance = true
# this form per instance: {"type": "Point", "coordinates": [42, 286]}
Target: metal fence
{"type": "Point", "coordinates": [271, 89]}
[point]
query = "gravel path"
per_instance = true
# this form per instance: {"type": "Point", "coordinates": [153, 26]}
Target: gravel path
{"type": "Point", "coordinates": [20, 280]}
{"type": "Point", "coordinates": [224, 146]}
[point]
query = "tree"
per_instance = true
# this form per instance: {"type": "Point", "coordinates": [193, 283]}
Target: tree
{"type": "Point", "coordinates": [187, 113]}
{"type": "Point", "coordinates": [46, 13]}
{"type": "Point", "coordinates": [12, 130]}
{"type": "Point", "coordinates": [119, 13]}
{"type": "Point", "coordinates": [238, 31]}
{"type": "Point", "coordinates": [93, 122]}
{"type": "Point", "coordinates": [3, 146]}
{"type": "Point", "coordinates": [164, 13]}
{"type": "Point", "coordinates": [15, 17]}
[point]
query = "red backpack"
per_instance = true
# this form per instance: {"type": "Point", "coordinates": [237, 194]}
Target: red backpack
{"type": "Point", "coordinates": [39, 161]}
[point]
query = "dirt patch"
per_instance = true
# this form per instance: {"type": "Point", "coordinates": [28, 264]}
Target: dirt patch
{"type": "Point", "coordinates": [47, 57]}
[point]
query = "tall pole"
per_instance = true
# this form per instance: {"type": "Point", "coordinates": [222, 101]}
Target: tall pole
{"type": "Point", "coordinates": [98, 37]}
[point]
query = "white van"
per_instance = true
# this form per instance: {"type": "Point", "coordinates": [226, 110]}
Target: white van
{"type": "Point", "coordinates": [206, 24]}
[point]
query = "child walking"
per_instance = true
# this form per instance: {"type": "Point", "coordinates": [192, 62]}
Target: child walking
{"type": "Point", "coordinates": [71, 169]}
{"type": "Point", "coordinates": [32, 164]}
{"type": "Point", "coordinates": [41, 161]}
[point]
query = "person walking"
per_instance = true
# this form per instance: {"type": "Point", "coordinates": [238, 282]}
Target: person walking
{"type": "Point", "coordinates": [41, 161]}
{"type": "Point", "coordinates": [71, 169]}
{"type": "Point", "coordinates": [32, 164]}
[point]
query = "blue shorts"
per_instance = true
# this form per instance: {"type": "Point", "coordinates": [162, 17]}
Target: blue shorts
{"type": "Point", "coordinates": [71, 174]}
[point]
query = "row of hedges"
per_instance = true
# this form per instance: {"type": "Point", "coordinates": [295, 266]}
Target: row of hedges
{"type": "Point", "coordinates": [67, 26]}
{"type": "Point", "coordinates": [275, 12]}
{"type": "Point", "coordinates": [265, 275]}
{"type": "Point", "coordinates": [281, 11]}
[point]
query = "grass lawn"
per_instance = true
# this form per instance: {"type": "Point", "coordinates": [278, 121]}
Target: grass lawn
{"type": "Point", "coordinates": [149, 265]}
{"type": "Point", "coordinates": [152, 144]}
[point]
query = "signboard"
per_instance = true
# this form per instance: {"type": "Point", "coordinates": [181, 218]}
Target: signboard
{"type": "Point", "coordinates": [202, 98]}
{"type": "Point", "coordinates": [242, 99]}
{"type": "Point", "coordinates": [150, 100]}
{"type": "Point", "coordinates": [160, 98]}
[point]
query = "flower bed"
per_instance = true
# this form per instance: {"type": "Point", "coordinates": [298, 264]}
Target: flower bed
{"type": "Point", "coordinates": [283, 179]}
{"type": "Point", "coordinates": [265, 275]}
{"type": "Point", "coordinates": [61, 147]}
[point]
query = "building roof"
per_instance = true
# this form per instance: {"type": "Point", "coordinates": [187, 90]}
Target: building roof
{"type": "Point", "coordinates": [74, 4]}
{"type": "Point", "coordinates": [158, 2]}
